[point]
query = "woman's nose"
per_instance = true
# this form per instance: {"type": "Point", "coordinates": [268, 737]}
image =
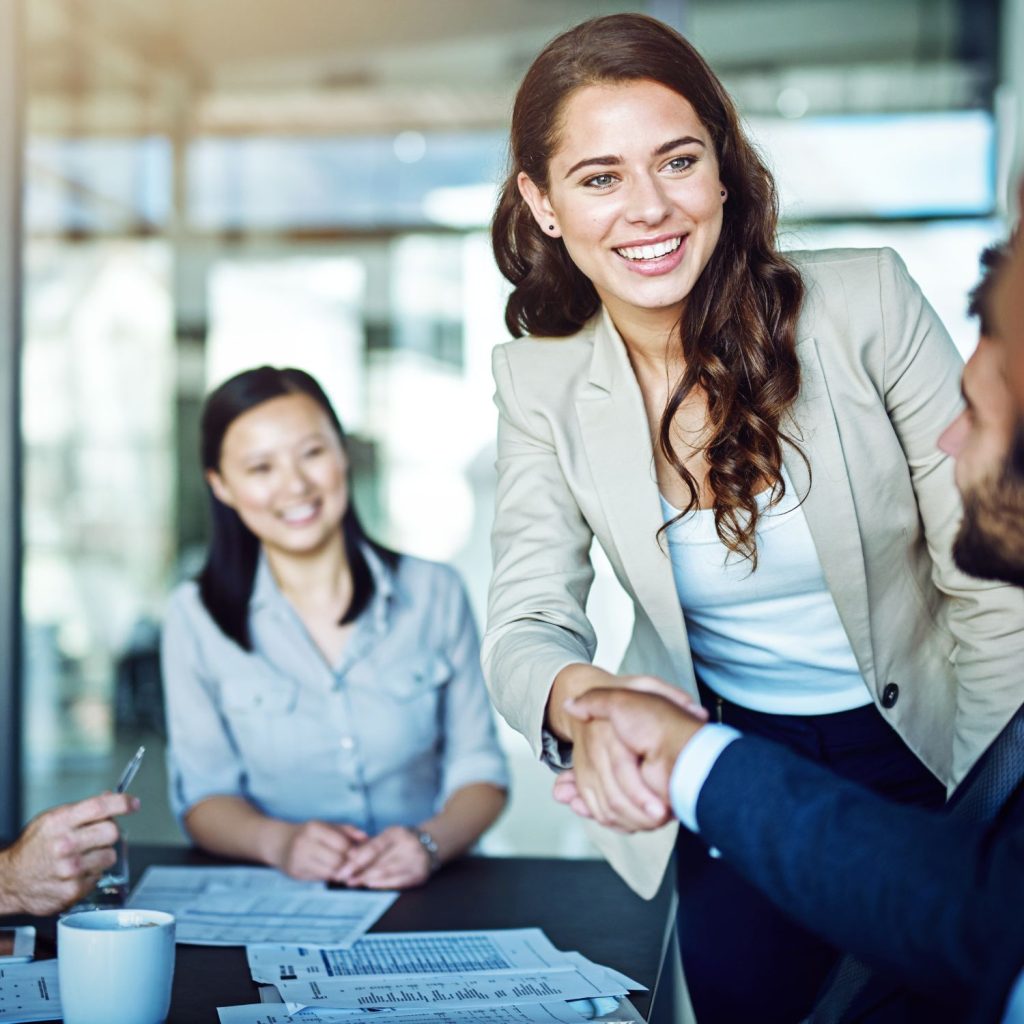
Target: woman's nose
{"type": "Point", "coordinates": [296, 480]}
{"type": "Point", "coordinates": [646, 203]}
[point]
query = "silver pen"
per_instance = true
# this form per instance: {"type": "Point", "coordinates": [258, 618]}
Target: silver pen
{"type": "Point", "coordinates": [130, 770]}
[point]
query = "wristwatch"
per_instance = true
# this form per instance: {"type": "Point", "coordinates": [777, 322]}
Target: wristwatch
{"type": "Point", "coordinates": [427, 841]}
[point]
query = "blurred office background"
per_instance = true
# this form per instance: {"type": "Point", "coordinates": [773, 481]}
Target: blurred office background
{"type": "Point", "coordinates": [212, 185]}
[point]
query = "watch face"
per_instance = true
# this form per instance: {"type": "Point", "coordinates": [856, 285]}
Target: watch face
{"type": "Point", "coordinates": [430, 845]}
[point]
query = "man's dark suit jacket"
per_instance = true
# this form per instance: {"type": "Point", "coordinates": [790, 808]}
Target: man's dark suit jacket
{"type": "Point", "coordinates": [934, 903]}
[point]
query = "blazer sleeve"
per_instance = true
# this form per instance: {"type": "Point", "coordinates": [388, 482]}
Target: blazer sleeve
{"type": "Point", "coordinates": [536, 619]}
{"type": "Point", "coordinates": [921, 368]}
{"type": "Point", "coordinates": [927, 899]}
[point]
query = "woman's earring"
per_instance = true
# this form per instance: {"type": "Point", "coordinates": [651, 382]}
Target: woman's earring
{"type": "Point", "coordinates": [723, 193]}
{"type": "Point", "coordinates": [551, 227]}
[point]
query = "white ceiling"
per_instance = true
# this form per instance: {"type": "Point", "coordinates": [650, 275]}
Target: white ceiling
{"type": "Point", "coordinates": [348, 65]}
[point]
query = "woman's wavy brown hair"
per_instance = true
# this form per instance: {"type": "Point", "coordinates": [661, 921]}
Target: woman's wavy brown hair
{"type": "Point", "coordinates": [738, 328]}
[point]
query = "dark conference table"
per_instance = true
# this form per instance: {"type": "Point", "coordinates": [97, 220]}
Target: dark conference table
{"type": "Point", "coordinates": [580, 904]}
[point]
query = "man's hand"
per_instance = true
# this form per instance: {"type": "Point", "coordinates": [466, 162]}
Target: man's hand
{"type": "Point", "coordinates": [394, 859]}
{"type": "Point", "coordinates": [316, 851]}
{"type": "Point", "coordinates": [653, 727]}
{"type": "Point", "coordinates": [61, 854]}
{"type": "Point", "coordinates": [606, 783]}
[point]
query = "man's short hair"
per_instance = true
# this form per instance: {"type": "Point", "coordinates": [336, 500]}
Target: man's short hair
{"type": "Point", "coordinates": [979, 304]}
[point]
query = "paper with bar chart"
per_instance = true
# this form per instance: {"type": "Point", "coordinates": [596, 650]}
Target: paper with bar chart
{"type": "Point", "coordinates": [537, 1013]}
{"type": "Point", "coordinates": [503, 975]}
{"type": "Point", "coordinates": [456, 991]}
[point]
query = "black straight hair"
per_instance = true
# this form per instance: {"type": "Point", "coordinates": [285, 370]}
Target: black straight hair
{"type": "Point", "coordinates": [227, 578]}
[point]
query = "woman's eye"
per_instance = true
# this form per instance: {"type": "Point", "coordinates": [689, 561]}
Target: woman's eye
{"type": "Point", "coordinates": [681, 163]}
{"type": "Point", "coordinates": [600, 181]}
{"type": "Point", "coordinates": [312, 453]}
{"type": "Point", "coordinates": [260, 467]}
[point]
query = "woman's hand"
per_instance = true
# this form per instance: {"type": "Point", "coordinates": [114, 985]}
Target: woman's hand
{"type": "Point", "coordinates": [394, 859]}
{"type": "Point", "coordinates": [317, 851]}
{"type": "Point", "coordinates": [605, 783]}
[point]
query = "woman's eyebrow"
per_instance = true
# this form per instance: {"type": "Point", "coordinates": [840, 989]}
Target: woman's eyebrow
{"type": "Point", "coordinates": [598, 161]}
{"type": "Point", "coordinates": [610, 161]}
{"type": "Point", "coordinates": [684, 140]}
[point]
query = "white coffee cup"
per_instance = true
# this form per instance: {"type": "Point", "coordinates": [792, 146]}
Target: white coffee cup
{"type": "Point", "coordinates": [115, 966]}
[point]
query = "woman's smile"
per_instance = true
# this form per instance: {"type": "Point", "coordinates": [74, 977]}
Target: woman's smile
{"type": "Point", "coordinates": [301, 515]}
{"type": "Point", "coordinates": [658, 256]}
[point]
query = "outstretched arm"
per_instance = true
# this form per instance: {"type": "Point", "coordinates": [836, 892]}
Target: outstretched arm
{"type": "Point", "coordinates": [914, 892]}
{"type": "Point", "coordinates": [926, 897]}
{"type": "Point", "coordinates": [61, 854]}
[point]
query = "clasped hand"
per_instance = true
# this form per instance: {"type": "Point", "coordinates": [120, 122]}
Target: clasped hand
{"type": "Point", "coordinates": [625, 743]}
{"type": "Point", "coordinates": [393, 859]}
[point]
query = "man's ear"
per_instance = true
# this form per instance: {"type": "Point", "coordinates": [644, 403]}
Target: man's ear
{"type": "Point", "coordinates": [219, 488]}
{"type": "Point", "coordinates": [539, 204]}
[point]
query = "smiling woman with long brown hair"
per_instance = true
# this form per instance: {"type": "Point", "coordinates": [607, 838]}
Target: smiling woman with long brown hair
{"type": "Point", "coordinates": [750, 436]}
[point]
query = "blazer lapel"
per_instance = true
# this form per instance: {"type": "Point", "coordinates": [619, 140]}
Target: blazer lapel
{"type": "Point", "coordinates": [828, 503]}
{"type": "Point", "coordinates": [613, 425]}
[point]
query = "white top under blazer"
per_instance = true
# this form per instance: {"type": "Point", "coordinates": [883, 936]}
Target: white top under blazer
{"type": "Point", "coordinates": [769, 639]}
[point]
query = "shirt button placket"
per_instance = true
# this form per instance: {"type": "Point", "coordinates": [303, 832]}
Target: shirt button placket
{"type": "Point", "coordinates": [351, 762]}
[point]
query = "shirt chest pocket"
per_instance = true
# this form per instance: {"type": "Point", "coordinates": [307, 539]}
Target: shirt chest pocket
{"type": "Point", "coordinates": [415, 678]}
{"type": "Point", "coordinates": [406, 700]}
{"type": "Point", "coordinates": [256, 709]}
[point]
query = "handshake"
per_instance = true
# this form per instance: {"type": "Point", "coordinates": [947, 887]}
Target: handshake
{"type": "Point", "coordinates": [626, 740]}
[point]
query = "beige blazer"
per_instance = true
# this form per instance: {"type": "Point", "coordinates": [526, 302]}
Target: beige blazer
{"type": "Point", "coordinates": [880, 380]}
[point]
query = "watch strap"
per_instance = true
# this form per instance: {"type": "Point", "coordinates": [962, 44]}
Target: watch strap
{"type": "Point", "coordinates": [427, 841]}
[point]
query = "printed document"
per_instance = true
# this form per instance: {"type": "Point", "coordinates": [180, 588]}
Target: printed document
{"type": "Point", "coordinates": [241, 906]}
{"type": "Point", "coordinates": [28, 992]}
{"type": "Point", "coordinates": [453, 991]}
{"type": "Point", "coordinates": [537, 1013]}
{"type": "Point", "coordinates": [406, 953]}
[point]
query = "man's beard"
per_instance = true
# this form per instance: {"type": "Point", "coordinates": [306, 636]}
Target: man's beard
{"type": "Point", "coordinates": [990, 542]}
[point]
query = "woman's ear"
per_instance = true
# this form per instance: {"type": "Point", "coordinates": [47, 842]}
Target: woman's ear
{"type": "Point", "coordinates": [539, 205]}
{"type": "Point", "coordinates": [219, 488]}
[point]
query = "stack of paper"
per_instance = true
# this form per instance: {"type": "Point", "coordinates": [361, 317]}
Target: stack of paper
{"type": "Point", "coordinates": [537, 1013]}
{"type": "Point", "coordinates": [514, 976]}
{"type": "Point", "coordinates": [28, 992]}
{"type": "Point", "coordinates": [241, 906]}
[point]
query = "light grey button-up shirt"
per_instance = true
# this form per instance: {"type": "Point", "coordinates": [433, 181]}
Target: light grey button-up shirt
{"type": "Point", "coordinates": [384, 737]}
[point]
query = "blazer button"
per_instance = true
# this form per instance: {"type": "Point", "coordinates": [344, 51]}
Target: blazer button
{"type": "Point", "coordinates": [890, 695]}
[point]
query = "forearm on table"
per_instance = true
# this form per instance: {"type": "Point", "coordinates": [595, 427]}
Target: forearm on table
{"type": "Point", "coordinates": [466, 815]}
{"type": "Point", "coordinates": [232, 827]}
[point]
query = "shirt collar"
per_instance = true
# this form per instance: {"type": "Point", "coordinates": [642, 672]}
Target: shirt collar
{"type": "Point", "coordinates": [266, 594]}
{"type": "Point", "coordinates": [385, 589]}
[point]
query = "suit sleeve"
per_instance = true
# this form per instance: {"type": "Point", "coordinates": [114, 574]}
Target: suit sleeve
{"type": "Point", "coordinates": [536, 620]}
{"type": "Point", "coordinates": [921, 896]}
{"type": "Point", "coordinates": [921, 372]}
